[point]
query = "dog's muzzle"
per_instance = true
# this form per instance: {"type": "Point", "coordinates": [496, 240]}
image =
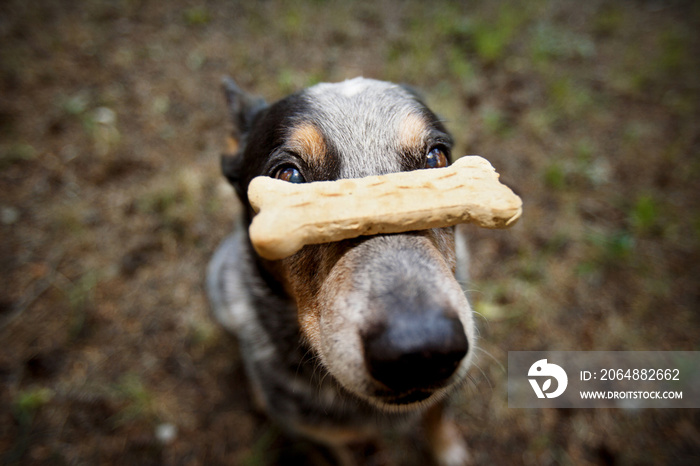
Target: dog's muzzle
{"type": "Point", "coordinates": [401, 333]}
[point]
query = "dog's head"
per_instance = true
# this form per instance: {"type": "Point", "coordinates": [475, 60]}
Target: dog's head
{"type": "Point", "coordinates": [384, 314]}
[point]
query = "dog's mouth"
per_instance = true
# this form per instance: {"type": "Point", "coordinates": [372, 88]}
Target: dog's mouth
{"type": "Point", "coordinates": [422, 392]}
{"type": "Point", "coordinates": [410, 397]}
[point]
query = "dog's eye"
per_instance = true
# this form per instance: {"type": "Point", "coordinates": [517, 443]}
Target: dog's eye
{"type": "Point", "coordinates": [290, 174]}
{"type": "Point", "coordinates": [436, 158]}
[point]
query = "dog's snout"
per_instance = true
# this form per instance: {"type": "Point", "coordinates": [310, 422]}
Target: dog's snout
{"type": "Point", "coordinates": [415, 352]}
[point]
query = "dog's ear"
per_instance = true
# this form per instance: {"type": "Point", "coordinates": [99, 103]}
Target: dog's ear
{"type": "Point", "coordinates": [242, 108]}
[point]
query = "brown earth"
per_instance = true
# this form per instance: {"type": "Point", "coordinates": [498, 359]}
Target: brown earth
{"type": "Point", "coordinates": [111, 202]}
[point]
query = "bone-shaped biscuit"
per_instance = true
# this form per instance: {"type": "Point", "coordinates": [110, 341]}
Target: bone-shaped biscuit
{"type": "Point", "coordinates": [293, 215]}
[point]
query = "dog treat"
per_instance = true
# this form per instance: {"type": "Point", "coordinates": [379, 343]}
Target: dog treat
{"type": "Point", "coordinates": [291, 215]}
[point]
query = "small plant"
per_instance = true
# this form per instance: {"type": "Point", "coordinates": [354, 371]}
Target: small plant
{"type": "Point", "coordinates": [491, 39]}
{"type": "Point", "coordinates": [674, 51]}
{"type": "Point", "coordinates": [139, 400]}
{"type": "Point", "coordinates": [196, 16]}
{"type": "Point", "coordinates": [644, 215]}
{"type": "Point", "coordinates": [554, 43]}
{"type": "Point", "coordinates": [28, 402]}
{"type": "Point", "coordinates": [24, 408]}
{"type": "Point", "coordinates": [15, 153]}
{"type": "Point", "coordinates": [81, 295]}
{"type": "Point", "coordinates": [496, 122]}
{"type": "Point", "coordinates": [609, 20]}
{"type": "Point", "coordinates": [460, 65]}
{"type": "Point", "coordinates": [75, 105]}
{"type": "Point", "coordinates": [608, 250]}
{"type": "Point", "coordinates": [569, 98]}
{"type": "Point", "coordinates": [554, 176]}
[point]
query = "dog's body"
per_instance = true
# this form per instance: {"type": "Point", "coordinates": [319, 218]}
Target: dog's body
{"type": "Point", "coordinates": [339, 332]}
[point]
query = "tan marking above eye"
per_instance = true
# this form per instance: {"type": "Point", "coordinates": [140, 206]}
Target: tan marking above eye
{"type": "Point", "coordinates": [232, 145]}
{"type": "Point", "coordinates": [412, 131]}
{"type": "Point", "coordinates": [308, 141]}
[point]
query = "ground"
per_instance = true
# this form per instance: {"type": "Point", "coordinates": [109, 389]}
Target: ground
{"type": "Point", "coordinates": [111, 202]}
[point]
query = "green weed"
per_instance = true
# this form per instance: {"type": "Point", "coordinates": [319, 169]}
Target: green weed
{"type": "Point", "coordinates": [618, 246]}
{"type": "Point", "coordinates": [175, 202]}
{"type": "Point", "coordinates": [496, 122]}
{"type": "Point", "coordinates": [550, 42]}
{"type": "Point", "coordinates": [76, 104]}
{"type": "Point", "coordinates": [491, 39]}
{"type": "Point", "coordinates": [580, 169]}
{"type": "Point", "coordinates": [202, 336]}
{"type": "Point", "coordinates": [540, 121]}
{"type": "Point", "coordinates": [554, 176]}
{"type": "Point", "coordinates": [24, 408]}
{"type": "Point", "coordinates": [28, 402]}
{"type": "Point", "coordinates": [606, 250]}
{"type": "Point", "coordinates": [569, 98]}
{"type": "Point", "coordinates": [139, 401]}
{"type": "Point", "coordinates": [292, 22]}
{"type": "Point", "coordinates": [160, 201]}
{"type": "Point", "coordinates": [195, 60]}
{"type": "Point", "coordinates": [459, 64]}
{"type": "Point", "coordinates": [608, 20]}
{"type": "Point", "coordinates": [81, 295]}
{"type": "Point", "coordinates": [196, 16]}
{"type": "Point", "coordinates": [99, 123]}
{"type": "Point", "coordinates": [288, 80]}
{"type": "Point", "coordinates": [644, 215]}
{"type": "Point", "coordinates": [674, 55]}
{"type": "Point", "coordinates": [16, 153]}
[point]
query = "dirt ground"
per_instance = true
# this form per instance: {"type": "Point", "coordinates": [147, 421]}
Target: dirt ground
{"type": "Point", "coordinates": [111, 203]}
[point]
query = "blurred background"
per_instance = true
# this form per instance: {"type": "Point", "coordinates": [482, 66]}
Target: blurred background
{"type": "Point", "coordinates": [111, 202]}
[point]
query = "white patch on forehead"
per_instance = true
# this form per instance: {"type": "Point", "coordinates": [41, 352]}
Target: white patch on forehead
{"type": "Point", "coordinates": [361, 119]}
{"type": "Point", "coordinates": [348, 88]}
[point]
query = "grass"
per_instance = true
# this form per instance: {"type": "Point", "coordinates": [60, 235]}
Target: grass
{"type": "Point", "coordinates": [99, 122]}
{"type": "Point", "coordinates": [491, 39]}
{"type": "Point", "coordinates": [81, 299]}
{"type": "Point", "coordinates": [496, 122]}
{"type": "Point", "coordinates": [139, 401]}
{"type": "Point", "coordinates": [576, 170]}
{"type": "Point", "coordinates": [175, 201]}
{"type": "Point", "coordinates": [76, 104]}
{"type": "Point", "coordinates": [644, 215]}
{"type": "Point", "coordinates": [550, 42]}
{"type": "Point", "coordinates": [568, 98]}
{"type": "Point", "coordinates": [197, 16]}
{"type": "Point", "coordinates": [28, 402]}
{"type": "Point", "coordinates": [15, 153]}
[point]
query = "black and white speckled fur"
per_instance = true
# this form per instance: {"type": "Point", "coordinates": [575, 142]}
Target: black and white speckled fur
{"type": "Point", "coordinates": [302, 322]}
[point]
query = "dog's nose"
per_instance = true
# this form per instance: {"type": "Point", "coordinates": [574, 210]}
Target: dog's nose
{"type": "Point", "coordinates": [410, 351]}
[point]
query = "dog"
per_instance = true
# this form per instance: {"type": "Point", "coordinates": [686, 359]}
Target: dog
{"type": "Point", "coordinates": [343, 340]}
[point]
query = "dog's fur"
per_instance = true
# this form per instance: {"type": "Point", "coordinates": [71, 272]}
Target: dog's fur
{"type": "Point", "coordinates": [339, 332]}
